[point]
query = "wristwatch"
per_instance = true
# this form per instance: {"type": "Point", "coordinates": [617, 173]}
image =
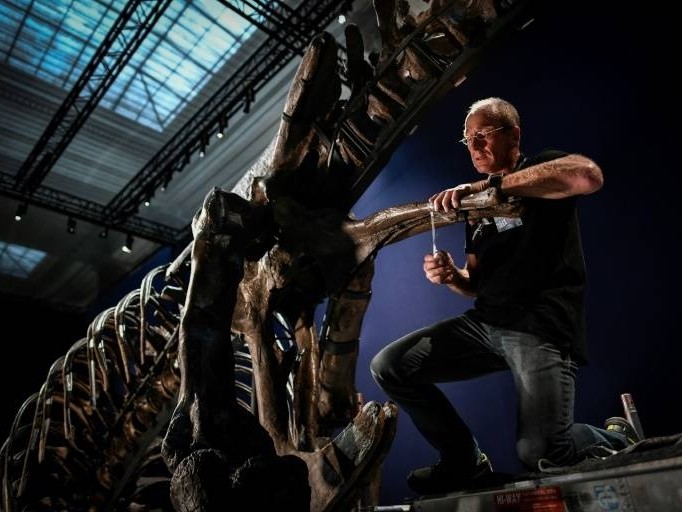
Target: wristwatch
{"type": "Point", "coordinates": [495, 181]}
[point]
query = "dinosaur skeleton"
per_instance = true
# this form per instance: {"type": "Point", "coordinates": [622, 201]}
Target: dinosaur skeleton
{"type": "Point", "coordinates": [209, 384]}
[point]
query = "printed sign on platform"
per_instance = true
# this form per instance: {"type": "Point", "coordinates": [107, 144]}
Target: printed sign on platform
{"type": "Point", "coordinates": [543, 499]}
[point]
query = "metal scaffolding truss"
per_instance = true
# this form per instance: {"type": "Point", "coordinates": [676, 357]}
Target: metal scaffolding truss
{"type": "Point", "coordinates": [89, 211]}
{"type": "Point", "coordinates": [288, 31]}
{"type": "Point", "coordinates": [279, 21]}
{"type": "Point", "coordinates": [238, 91]}
{"type": "Point", "coordinates": [130, 29]}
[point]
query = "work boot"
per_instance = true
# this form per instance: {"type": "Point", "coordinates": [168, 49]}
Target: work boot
{"type": "Point", "coordinates": [447, 476]}
{"type": "Point", "coordinates": [624, 427]}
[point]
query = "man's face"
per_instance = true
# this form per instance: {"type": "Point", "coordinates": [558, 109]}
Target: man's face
{"type": "Point", "coordinates": [491, 151]}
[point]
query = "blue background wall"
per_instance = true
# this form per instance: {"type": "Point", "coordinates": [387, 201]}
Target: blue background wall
{"type": "Point", "coordinates": [586, 80]}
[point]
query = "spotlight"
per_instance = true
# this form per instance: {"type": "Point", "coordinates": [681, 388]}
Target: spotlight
{"type": "Point", "coordinates": [166, 182]}
{"type": "Point", "coordinates": [148, 195]}
{"type": "Point", "coordinates": [342, 19]}
{"type": "Point", "coordinates": [204, 143]}
{"type": "Point", "coordinates": [222, 126]}
{"type": "Point", "coordinates": [71, 226]}
{"type": "Point", "coordinates": [128, 246]}
{"type": "Point", "coordinates": [21, 211]}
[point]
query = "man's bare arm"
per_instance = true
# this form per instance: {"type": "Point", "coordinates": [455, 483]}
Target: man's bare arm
{"type": "Point", "coordinates": [567, 176]}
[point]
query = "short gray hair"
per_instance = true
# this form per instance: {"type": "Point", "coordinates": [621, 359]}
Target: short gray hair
{"type": "Point", "coordinates": [497, 109]}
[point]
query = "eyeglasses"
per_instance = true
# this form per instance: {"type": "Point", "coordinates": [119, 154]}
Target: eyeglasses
{"type": "Point", "coordinates": [480, 136]}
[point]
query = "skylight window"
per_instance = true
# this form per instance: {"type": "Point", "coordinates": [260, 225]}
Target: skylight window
{"type": "Point", "coordinates": [19, 261]}
{"type": "Point", "coordinates": [55, 40]}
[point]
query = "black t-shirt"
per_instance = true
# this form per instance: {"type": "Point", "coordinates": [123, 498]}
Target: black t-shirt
{"type": "Point", "coordinates": [531, 272]}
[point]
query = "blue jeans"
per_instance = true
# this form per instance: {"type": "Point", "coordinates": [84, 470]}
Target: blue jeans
{"type": "Point", "coordinates": [461, 348]}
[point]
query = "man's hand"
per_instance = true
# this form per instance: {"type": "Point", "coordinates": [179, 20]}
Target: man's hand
{"type": "Point", "coordinates": [450, 198]}
{"type": "Point", "coordinates": [440, 269]}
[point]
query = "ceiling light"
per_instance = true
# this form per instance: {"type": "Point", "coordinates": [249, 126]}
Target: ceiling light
{"type": "Point", "coordinates": [128, 246]}
{"type": "Point", "coordinates": [222, 126]}
{"type": "Point", "coordinates": [104, 233]}
{"type": "Point", "coordinates": [21, 211]}
{"type": "Point", "coordinates": [204, 143]}
{"type": "Point", "coordinates": [166, 181]}
{"type": "Point", "coordinates": [342, 19]}
{"type": "Point", "coordinates": [149, 194]}
{"type": "Point", "coordinates": [71, 226]}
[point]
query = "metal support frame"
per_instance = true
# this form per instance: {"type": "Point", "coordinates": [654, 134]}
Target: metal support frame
{"type": "Point", "coordinates": [289, 30]}
{"type": "Point", "coordinates": [273, 22]}
{"type": "Point", "coordinates": [89, 211]}
{"type": "Point", "coordinates": [130, 29]}
{"type": "Point", "coordinates": [252, 75]}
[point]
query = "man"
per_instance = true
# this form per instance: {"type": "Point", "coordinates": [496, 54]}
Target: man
{"type": "Point", "coordinates": [528, 278]}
